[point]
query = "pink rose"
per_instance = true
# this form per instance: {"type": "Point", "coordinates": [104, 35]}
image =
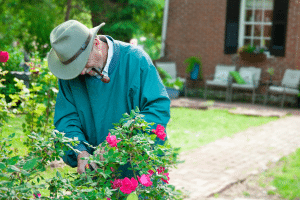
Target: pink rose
{"type": "Point", "coordinates": [37, 195]}
{"type": "Point", "coordinates": [116, 184]}
{"type": "Point", "coordinates": [128, 185]}
{"type": "Point", "coordinates": [160, 132]}
{"type": "Point", "coordinates": [145, 180]}
{"type": "Point", "coordinates": [4, 56]}
{"type": "Point", "coordinates": [160, 170]}
{"type": "Point", "coordinates": [150, 172]}
{"type": "Point", "coordinates": [168, 178]}
{"type": "Point", "coordinates": [112, 140]}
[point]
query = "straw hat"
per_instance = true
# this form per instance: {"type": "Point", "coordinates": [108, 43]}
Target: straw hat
{"type": "Point", "coordinates": [71, 44]}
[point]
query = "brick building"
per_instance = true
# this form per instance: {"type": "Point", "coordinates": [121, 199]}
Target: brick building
{"type": "Point", "coordinates": [215, 29]}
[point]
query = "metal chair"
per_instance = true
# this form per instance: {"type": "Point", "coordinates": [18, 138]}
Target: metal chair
{"type": "Point", "coordinates": [251, 75]}
{"type": "Point", "coordinates": [289, 85]}
{"type": "Point", "coordinates": [221, 79]}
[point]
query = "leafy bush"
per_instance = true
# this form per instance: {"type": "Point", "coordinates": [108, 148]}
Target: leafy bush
{"type": "Point", "coordinates": [16, 56]}
{"type": "Point", "coordinates": [131, 141]}
{"type": "Point", "coordinates": [13, 64]}
{"type": "Point", "coordinates": [39, 100]}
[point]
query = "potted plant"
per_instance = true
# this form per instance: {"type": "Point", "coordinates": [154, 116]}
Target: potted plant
{"type": "Point", "coordinates": [193, 67]}
{"type": "Point", "coordinates": [173, 87]}
{"type": "Point", "coordinates": [252, 54]}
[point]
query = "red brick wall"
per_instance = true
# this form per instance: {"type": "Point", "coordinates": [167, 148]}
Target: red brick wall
{"type": "Point", "coordinates": [198, 27]}
{"type": "Point", "coordinates": [297, 56]}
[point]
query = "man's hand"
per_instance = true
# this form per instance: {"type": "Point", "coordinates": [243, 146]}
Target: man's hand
{"type": "Point", "coordinates": [81, 166]}
{"type": "Point", "coordinates": [100, 152]}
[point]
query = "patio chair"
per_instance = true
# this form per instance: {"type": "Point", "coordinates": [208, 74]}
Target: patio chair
{"type": "Point", "coordinates": [221, 79]}
{"type": "Point", "coordinates": [251, 76]}
{"type": "Point", "coordinates": [289, 85]}
{"type": "Point", "coordinates": [170, 67]}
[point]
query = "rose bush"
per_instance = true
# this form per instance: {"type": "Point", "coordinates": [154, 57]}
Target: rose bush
{"type": "Point", "coordinates": [135, 144]}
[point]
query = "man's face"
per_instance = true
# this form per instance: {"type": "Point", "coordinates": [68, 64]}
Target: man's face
{"type": "Point", "coordinates": [96, 58]}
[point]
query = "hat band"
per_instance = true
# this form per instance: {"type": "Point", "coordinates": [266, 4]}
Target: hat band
{"type": "Point", "coordinates": [82, 48]}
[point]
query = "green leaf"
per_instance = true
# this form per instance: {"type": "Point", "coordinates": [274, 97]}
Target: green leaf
{"type": "Point", "coordinates": [4, 182]}
{"type": "Point", "coordinates": [87, 190]}
{"type": "Point", "coordinates": [132, 113]}
{"type": "Point", "coordinates": [3, 189]}
{"type": "Point", "coordinates": [58, 175]}
{"type": "Point", "coordinates": [153, 137]}
{"type": "Point", "coordinates": [2, 165]}
{"type": "Point", "coordinates": [12, 168]}
{"type": "Point", "coordinates": [110, 153]}
{"type": "Point", "coordinates": [128, 123]}
{"type": "Point", "coordinates": [132, 196]}
{"type": "Point", "coordinates": [30, 164]}
{"type": "Point", "coordinates": [125, 115]}
{"type": "Point", "coordinates": [137, 110]}
{"type": "Point", "coordinates": [11, 135]}
{"type": "Point", "coordinates": [13, 160]}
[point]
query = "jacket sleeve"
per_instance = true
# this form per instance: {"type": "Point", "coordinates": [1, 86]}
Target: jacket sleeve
{"type": "Point", "coordinates": [66, 120]}
{"type": "Point", "coordinates": [151, 94]}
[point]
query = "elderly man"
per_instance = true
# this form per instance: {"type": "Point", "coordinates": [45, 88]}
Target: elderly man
{"type": "Point", "coordinates": [99, 80]}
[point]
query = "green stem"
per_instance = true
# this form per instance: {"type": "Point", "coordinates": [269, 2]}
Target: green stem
{"type": "Point", "coordinates": [132, 168]}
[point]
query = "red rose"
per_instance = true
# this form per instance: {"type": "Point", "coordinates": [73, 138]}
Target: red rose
{"type": "Point", "coordinates": [116, 184]}
{"type": "Point", "coordinates": [150, 172]}
{"type": "Point", "coordinates": [145, 180]}
{"type": "Point", "coordinates": [112, 140]}
{"type": "Point", "coordinates": [160, 170]}
{"type": "Point", "coordinates": [128, 185]}
{"type": "Point", "coordinates": [4, 56]}
{"type": "Point", "coordinates": [168, 178]}
{"type": "Point", "coordinates": [160, 132]}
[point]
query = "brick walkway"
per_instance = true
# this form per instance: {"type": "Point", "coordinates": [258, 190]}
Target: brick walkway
{"type": "Point", "coordinates": [215, 166]}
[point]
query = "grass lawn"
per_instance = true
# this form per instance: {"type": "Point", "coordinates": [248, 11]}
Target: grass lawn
{"type": "Point", "coordinates": [286, 176]}
{"type": "Point", "coordinates": [190, 129]}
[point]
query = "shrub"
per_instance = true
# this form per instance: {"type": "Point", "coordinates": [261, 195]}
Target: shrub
{"type": "Point", "coordinates": [131, 141]}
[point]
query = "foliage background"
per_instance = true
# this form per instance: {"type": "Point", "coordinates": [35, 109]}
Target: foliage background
{"type": "Point", "coordinates": [28, 24]}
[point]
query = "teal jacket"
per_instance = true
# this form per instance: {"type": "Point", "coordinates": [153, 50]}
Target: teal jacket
{"type": "Point", "coordinates": [86, 107]}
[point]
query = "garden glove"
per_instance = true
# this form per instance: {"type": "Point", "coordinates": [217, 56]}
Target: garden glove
{"type": "Point", "coordinates": [82, 164]}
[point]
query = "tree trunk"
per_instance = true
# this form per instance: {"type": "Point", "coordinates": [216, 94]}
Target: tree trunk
{"type": "Point", "coordinates": [69, 7]}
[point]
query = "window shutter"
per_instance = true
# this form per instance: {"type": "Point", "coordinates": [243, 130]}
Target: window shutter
{"type": "Point", "coordinates": [279, 27]}
{"type": "Point", "coordinates": [232, 26]}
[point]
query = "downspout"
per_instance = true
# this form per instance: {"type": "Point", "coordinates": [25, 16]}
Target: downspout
{"type": "Point", "coordinates": [164, 29]}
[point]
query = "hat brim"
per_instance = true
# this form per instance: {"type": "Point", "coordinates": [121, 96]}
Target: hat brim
{"type": "Point", "coordinates": [73, 69]}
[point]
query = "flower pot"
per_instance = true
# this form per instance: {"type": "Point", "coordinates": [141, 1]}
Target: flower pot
{"type": "Point", "coordinates": [173, 93]}
{"type": "Point", "coordinates": [195, 72]}
{"type": "Point", "coordinates": [252, 57]}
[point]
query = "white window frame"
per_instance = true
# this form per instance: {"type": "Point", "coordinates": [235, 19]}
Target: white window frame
{"type": "Point", "coordinates": [243, 23]}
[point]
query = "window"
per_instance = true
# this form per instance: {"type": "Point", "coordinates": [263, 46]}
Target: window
{"type": "Point", "coordinates": [256, 23]}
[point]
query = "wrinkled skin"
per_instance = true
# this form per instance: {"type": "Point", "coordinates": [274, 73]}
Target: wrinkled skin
{"type": "Point", "coordinates": [97, 58]}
